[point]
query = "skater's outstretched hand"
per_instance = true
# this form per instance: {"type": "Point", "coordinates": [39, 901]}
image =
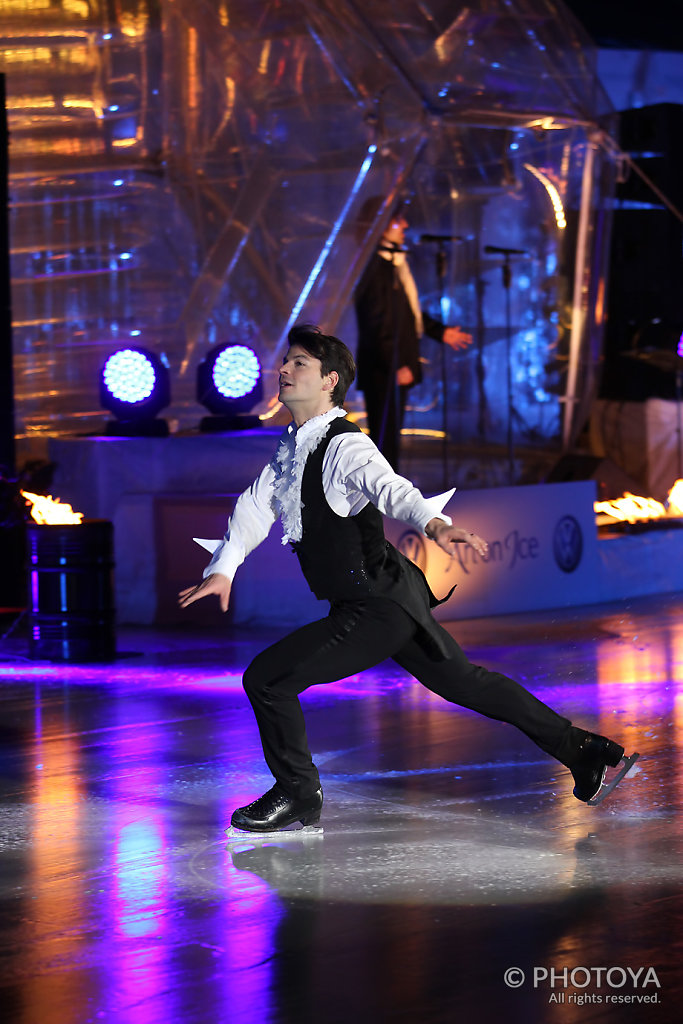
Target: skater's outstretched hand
{"type": "Point", "coordinates": [214, 584]}
{"type": "Point", "coordinates": [446, 536]}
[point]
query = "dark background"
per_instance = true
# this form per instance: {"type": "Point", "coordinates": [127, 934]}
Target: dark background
{"type": "Point", "coordinates": [631, 24]}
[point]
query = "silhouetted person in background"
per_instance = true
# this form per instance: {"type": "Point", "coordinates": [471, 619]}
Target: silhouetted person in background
{"type": "Point", "coordinates": [390, 325]}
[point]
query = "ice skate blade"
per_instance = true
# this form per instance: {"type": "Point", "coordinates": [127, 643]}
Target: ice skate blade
{"type": "Point", "coordinates": [626, 765]}
{"type": "Point", "coordinates": [307, 832]}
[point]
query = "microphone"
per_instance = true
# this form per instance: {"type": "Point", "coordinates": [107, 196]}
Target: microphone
{"type": "Point", "coordinates": [441, 238]}
{"type": "Point", "coordinates": [504, 252]}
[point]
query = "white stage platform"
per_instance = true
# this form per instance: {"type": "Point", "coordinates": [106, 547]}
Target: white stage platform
{"type": "Point", "coordinates": [161, 492]}
{"type": "Point", "coordinates": [644, 438]}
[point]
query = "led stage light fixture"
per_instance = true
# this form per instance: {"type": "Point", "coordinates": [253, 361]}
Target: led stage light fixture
{"type": "Point", "coordinates": [135, 387]}
{"type": "Point", "coordinates": [229, 385]}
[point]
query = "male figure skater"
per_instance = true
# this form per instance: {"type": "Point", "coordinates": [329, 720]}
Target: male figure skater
{"type": "Point", "coordinates": [328, 483]}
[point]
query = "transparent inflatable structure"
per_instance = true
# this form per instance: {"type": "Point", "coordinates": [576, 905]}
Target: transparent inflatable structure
{"type": "Point", "coordinates": [187, 172]}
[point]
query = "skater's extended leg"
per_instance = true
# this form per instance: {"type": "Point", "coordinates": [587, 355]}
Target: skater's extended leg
{"type": "Point", "coordinates": [586, 754]}
{"type": "Point", "coordinates": [489, 693]}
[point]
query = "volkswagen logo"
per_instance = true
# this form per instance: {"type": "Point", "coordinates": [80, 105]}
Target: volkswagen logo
{"type": "Point", "coordinates": [567, 543]}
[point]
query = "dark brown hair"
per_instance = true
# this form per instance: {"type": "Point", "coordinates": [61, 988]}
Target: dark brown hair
{"type": "Point", "coordinates": [332, 353]}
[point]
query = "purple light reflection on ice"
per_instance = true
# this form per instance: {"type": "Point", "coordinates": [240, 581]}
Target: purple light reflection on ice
{"type": "Point", "coordinates": [140, 892]}
{"type": "Point", "coordinates": [139, 987]}
{"type": "Point", "coordinates": [139, 903]}
{"type": "Point", "coordinates": [253, 914]}
{"type": "Point", "coordinates": [38, 716]}
{"type": "Point", "coordinates": [121, 676]}
{"type": "Point", "coordinates": [209, 679]}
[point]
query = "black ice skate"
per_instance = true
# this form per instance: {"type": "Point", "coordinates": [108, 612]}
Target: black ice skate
{"type": "Point", "coordinates": [273, 814]}
{"type": "Point", "coordinates": [589, 761]}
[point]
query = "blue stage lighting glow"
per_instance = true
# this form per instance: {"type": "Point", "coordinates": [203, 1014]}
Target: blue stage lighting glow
{"type": "Point", "coordinates": [236, 371]}
{"type": "Point", "coordinates": [229, 385]}
{"type": "Point", "coordinates": [129, 376]}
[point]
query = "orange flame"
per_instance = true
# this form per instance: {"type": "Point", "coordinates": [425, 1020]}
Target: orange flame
{"type": "Point", "coordinates": [676, 499]}
{"type": "Point", "coordinates": [631, 508]}
{"type": "Point", "coordinates": [51, 511]}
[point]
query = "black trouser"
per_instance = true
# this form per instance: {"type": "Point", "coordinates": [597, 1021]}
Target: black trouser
{"type": "Point", "coordinates": [356, 636]}
{"type": "Point", "coordinates": [385, 403]}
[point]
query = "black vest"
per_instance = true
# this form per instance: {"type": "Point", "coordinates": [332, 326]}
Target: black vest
{"type": "Point", "coordinates": [348, 558]}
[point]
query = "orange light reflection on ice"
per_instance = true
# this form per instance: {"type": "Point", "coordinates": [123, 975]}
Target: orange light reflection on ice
{"type": "Point", "coordinates": [53, 930]}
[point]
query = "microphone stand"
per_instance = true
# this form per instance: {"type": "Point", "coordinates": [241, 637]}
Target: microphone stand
{"type": "Point", "coordinates": [440, 260]}
{"type": "Point", "coordinates": [507, 279]}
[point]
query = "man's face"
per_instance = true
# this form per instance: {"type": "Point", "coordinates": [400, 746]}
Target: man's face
{"type": "Point", "coordinates": [396, 230]}
{"type": "Point", "coordinates": [301, 381]}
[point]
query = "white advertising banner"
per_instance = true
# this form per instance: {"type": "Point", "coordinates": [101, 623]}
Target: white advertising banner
{"type": "Point", "coordinates": [543, 550]}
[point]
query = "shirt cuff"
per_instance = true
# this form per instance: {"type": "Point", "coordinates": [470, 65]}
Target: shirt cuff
{"type": "Point", "coordinates": [225, 561]}
{"type": "Point", "coordinates": [433, 509]}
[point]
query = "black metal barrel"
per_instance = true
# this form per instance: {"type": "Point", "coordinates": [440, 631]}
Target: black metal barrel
{"type": "Point", "coordinates": [71, 591]}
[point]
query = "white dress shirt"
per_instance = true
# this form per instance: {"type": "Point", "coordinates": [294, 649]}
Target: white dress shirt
{"type": "Point", "coordinates": [354, 473]}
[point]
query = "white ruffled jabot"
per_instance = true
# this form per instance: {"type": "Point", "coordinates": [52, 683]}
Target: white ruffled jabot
{"type": "Point", "coordinates": [289, 464]}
